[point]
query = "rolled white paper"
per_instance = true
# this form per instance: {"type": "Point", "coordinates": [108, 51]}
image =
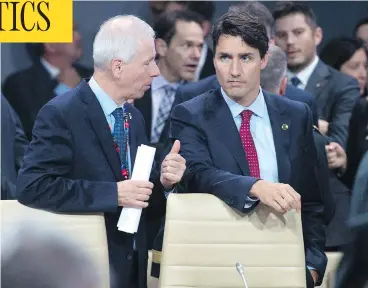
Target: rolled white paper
{"type": "Point", "coordinates": [130, 217]}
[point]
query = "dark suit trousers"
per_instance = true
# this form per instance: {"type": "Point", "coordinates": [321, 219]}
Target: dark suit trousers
{"type": "Point", "coordinates": [134, 275]}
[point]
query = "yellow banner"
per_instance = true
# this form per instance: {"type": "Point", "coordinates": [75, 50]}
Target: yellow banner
{"type": "Point", "coordinates": [36, 21]}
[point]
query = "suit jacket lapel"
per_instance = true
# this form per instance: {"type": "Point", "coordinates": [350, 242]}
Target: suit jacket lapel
{"type": "Point", "coordinates": [98, 121]}
{"type": "Point", "coordinates": [144, 105]}
{"type": "Point", "coordinates": [318, 79]}
{"type": "Point", "coordinates": [220, 118]}
{"type": "Point", "coordinates": [44, 85]}
{"type": "Point", "coordinates": [280, 123]}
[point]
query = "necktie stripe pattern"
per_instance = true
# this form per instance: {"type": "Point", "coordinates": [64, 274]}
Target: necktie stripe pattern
{"type": "Point", "coordinates": [163, 113]}
{"type": "Point", "coordinates": [248, 144]}
{"type": "Point", "coordinates": [121, 139]}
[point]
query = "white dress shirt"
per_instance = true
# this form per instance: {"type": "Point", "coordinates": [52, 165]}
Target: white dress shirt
{"type": "Point", "coordinates": [305, 74]}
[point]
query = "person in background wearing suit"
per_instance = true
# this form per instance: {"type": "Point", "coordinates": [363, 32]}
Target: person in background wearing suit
{"type": "Point", "coordinates": [54, 71]}
{"type": "Point", "coordinates": [245, 145]}
{"type": "Point", "coordinates": [336, 94]}
{"type": "Point", "coordinates": [179, 40]}
{"type": "Point", "coordinates": [85, 143]}
{"type": "Point", "coordinates": [350, 56]}
{"type": "Point", "coordinates": [352, 271]}
{"type": "Point", "coordinates": [297, 33]}
{"type": "Point", "coordinates": [206, 9]}
{"type": "Point", "coordinates": [13, 146]}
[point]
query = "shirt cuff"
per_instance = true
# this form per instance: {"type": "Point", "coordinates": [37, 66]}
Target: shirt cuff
{"type": "Point", "coordinates": [250, 201]}
{"type": "Point", "coordinates": [311, 268]}
{"type": "Point", "coordinates": [167, 192]}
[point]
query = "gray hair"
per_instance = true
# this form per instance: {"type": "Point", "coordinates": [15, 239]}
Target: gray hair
{"type": "Point", "coordinates": [275, 71]}
{"type": "Point", "coordinates": [118, 38]}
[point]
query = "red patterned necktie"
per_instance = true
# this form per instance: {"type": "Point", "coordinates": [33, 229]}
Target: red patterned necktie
{"type": "Point", "coordinates": [248, 144]}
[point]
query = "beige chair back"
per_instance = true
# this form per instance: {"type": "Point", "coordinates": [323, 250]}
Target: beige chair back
{"type": "Point", "coordinates": [204, 239]}
{"type": "Point", "coordinates": [87, 232]}
{"type": "Point", "coordinates": [333, 262]}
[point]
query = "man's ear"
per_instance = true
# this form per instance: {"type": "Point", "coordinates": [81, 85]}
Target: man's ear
{"type": "Point", "coordinates": [161, 47]}
{"type": "Point", "coordinates": [264, 60]}
{"type": "Point", "coordinates": [283, 86]}
{"type": "Point", "coordinates": [318, 36]}
{"type": "Point", "coordinates": [117, 68]}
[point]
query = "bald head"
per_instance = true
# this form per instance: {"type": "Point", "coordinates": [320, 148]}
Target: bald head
{"type": "Point", "coordinates": [119, 38]}
{"type": "Point", "coordinates": [274, 73]}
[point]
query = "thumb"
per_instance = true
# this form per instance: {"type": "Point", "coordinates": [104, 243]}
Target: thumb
{"type": "Point", "coordinates": [334, 145]}
{"type": "Point", "coordinates": [330, 146]}
{"type": "Point", "coordinates": [176, 147]}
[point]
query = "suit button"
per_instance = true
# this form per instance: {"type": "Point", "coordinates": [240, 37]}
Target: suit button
{"type": "Point", "coordinates": [129, 257]}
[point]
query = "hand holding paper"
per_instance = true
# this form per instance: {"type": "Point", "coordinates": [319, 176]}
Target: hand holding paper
{"type": "Point", "coordinates": [173, 167]}
{"type": "Point", "coordinates": [130, 217]}
{"type": "Point", "coordinates": [134, 193]}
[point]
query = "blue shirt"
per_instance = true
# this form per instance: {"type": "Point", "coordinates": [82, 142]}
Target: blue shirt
{"type": "Point", "coordinates": [108, 106]}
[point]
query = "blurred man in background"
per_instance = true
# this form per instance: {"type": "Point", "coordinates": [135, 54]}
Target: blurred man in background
{"type": "Point", "coordinates": [54, 72]}
{"type": "Point", "coordinates": [179, 40]}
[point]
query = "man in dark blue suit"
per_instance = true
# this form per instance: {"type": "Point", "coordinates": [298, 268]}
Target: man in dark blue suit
{"type": "Point", "coordinates": [85, 143]}
{"type": "Point", "coordinates": [274, 80]}
{"type": "Point", "coordinates": [245, 145]}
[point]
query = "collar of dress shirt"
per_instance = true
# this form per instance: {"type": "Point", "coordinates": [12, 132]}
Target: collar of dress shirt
{"type": "Point", "coordinates": [159, 82]}
{"type": "Point", "coordinates": [53, 70]}
{"type": "Point", "coordinates": [257, 107]}
{"type": "Point", "coordinates": [305, 74]}
{"type": "Point", "coordinates": [108, 105]}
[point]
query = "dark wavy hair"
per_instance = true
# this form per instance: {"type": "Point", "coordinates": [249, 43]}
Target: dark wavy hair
{"type": "Point", "coordinates": [245, 25]}
{"type": "Point", "coordinates": [339, 50]}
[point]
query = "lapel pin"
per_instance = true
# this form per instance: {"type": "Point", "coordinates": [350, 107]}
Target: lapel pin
{"type": "Point", "coordinates": [285, 127]}
{"type": "Point", "coordinates": [318, 84]}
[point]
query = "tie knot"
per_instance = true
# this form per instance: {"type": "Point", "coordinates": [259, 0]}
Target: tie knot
{"type": "Point", "coordinates": [169, 89]}
{"type": "Point", "coordinates": [295, 81]}
{"type": "Point", "coordinates": [246, 115]}
{"type": "Point", "coordinates": [118, 114]}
